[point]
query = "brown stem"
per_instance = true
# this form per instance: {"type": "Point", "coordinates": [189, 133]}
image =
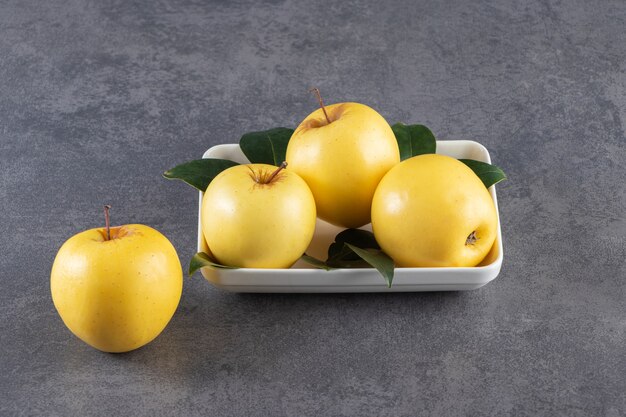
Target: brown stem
{"type": "Point", "coordinates": [316, 91]}
{"type": "Point", "coordinates": [107, 220]}
{"type": "Point", "coordinates": [280, 168]}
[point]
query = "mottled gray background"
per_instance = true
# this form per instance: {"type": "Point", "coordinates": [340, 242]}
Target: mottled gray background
{"type": "Point", "coordinates": [98, 98]}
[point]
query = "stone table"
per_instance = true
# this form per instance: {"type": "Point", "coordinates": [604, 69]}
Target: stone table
{"type": "Point", "coordinates": [97, 99]}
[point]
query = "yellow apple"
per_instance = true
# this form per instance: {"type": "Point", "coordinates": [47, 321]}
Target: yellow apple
{"type": "Point", "coordinates": [258, 216]}
{"type": "Point", "coordinates": [116, 294]}
{"type": "Point", "coordinates": [433, 211]}
{"type": "Point", "coordinates": [342, 151]}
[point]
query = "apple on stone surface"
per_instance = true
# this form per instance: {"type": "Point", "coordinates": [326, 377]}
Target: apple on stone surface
{"type": "Point", "coordinates": [258, 216]}
{"type": "Point", "coordinates": [116, 288]}
{"type": "Point", "coordinates": [342, 151]}
{"type": "Point", "coordinates": [433, 211]}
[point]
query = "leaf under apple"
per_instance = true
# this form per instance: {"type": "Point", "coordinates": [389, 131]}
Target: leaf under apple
{"type": "Point", "coordinates": [356, 248]}
{"type": "Point", "coordinates": [200, 172]}
{"type": "Point", "coordinates": [267, 146]}
{"type": "Point", "coordinates": [414, 140]}
{"type": "Point", "coordinates": [202, 259]}
{"type": "Point", "coordinates": [489, 174]}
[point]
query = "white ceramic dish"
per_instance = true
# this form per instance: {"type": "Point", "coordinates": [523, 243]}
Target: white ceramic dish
{"type": "Point", "coordinates": [304, 278]}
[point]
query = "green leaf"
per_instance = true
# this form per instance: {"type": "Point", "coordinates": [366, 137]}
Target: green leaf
{"type": "Point", "coordinates": [316, 262]}
{"type": "Point", "coordinates": [356, 248]}
{"type": "Point", "coordinates": [359, 237]}
{"type": "Point", "coordinates": [266, 147]}
{"type": "Point", "coordinates": [203, 259]}
{"type": "Point", "coordinates": [378, 259]}
{"type": "Point", "coordinates": [338, 252]}
{"type": "Point", "coordinates": [200, 172]}
{"type": "Point", "coordinates": [488, 174]}
{"type": "Point", "coordinates": [414, 140]}
{"type": "Point", "coordinates": [346, 258]}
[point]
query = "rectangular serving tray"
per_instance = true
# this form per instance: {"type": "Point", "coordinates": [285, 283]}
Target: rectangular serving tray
{"type": "Point", "coordinates": [303, 278]}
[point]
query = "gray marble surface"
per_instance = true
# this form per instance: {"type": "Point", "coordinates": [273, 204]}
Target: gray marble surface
{"type": "Point", "coordinates": [98, 98]}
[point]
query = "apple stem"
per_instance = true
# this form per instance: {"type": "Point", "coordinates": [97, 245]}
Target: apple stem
{"type": "Point", "coordinates": [107, 220]}
{"type": "Point", "coordinates": [316, 91]}
{"type": "Point", "coordinates": [280, 168]}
